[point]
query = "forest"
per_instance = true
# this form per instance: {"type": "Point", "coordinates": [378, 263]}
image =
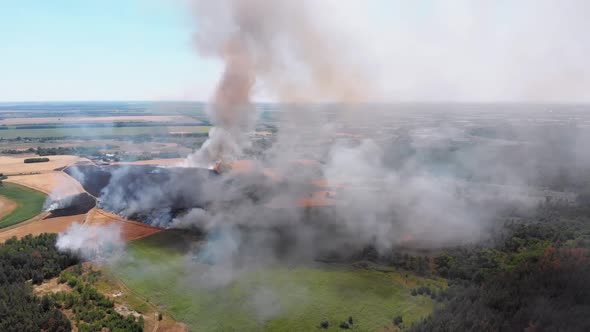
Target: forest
{"type": "Point", "coordinates": [22, 263]}
{"type": "Point", "coordinates": [531, 277]}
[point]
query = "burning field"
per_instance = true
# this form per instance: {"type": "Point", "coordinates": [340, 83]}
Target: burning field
{"type": "Point", "coordinates": [312, 224]}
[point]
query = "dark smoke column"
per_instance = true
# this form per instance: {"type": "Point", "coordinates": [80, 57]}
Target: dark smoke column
{"type": "Point", "coordinates": [281, 45]}
{"type": "Point", "coordinates": [231, 110]}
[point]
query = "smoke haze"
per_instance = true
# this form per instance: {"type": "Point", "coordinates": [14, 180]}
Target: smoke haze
{"type": "Point", "coordinates": [426, 186]}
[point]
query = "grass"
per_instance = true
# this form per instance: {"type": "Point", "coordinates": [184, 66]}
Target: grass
{"type": "Point", "coordinates": [29, 203]}
{"type": "Point", "coordinates": [274, 298]}
{"type": "Point", "coordinates": [99, 132]}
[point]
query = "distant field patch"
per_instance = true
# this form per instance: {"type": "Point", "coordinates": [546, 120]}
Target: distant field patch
{"type": "Point", "coordinates": [29, 203]}
{"type": "Point", "coordinates": [12, 133]}
{"type": "Point", "coordinates": [59, 184]}
{"type": "Point", "coordinates": [6, 206]}
{"type": "Point", "coordinates": [157, 162]}
{"type": "Point", "coordinates": [130, 230]}
{"type": "Point", "coordinates": [36, 227]}
{"type": "Point", "coordinates": [295, 298]}
{"type": "Point", "coordinates": [102, 119]}
{"type": "Point", "coordinates": [10, 165]}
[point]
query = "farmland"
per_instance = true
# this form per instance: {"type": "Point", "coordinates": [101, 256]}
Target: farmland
{"type": "Point", "coordinates": [39, 226]}
{"type": "Point", "coordinates": [59, 184]}
{"type": "Point", "coordinates": [16, 166]}
{"type": "Point", "coordinates": [29, 203]}
{"type": "Point", "coordinates": [13, 133]}
{"type": "Point", "coordinates": [130, 230]}
{"type": "Point", "coordinates": [272, 298]}
{"type": "Point", "coordinates": [103, 119]}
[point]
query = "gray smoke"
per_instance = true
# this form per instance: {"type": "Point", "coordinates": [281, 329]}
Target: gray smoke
{"type": "Point", "coordinates": [393, 175]}
{"type": "Point", "coordinates": [101, 244]}
{"type": "Point", "coordinates": [300, 52]}
{"type": "Point", "coordinates": [277, 46]}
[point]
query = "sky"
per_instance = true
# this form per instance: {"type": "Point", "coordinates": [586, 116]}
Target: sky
{"type": "Point", "coordinates": [100, 50]}
{"type": "Point", "coordinates": [413, 50]}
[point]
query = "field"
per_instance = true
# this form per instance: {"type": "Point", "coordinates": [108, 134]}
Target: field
{"type": "Point", "coordinates": [16, 165]}
{"type": "Point", "coordinates": [103, 119]}
{"type": "Point", "coordinates": [130, 230]}
{"type": "Point", "coordinates": [36, 227]}
{"type": "Point", "coordinates": [29, 203]}
{"type": "Point", "coordinates": [155, 162]}
{"type": "Point", "coordinates": [6, 206]}
{"type": "Point", "coordinates": [101, 132]}
{"type": "Point", "coordinates": [274, 298]}
{"type": "Point", "coordinates": [58, 183]}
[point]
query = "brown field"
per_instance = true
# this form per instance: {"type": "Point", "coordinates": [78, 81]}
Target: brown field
{"type": "Point", "coordinates": [55, 182]}
{"type": "Point", "coordinates": [156, 162]}
{"type": "Point", "coordinates": [16, 165]}
{"type": "Point", "coordinates": [105, 119]}
{"type": "Point", "coordinates": [130, 230]}
{"type": "Point", "coordinates": [6, 206]}
{"type": "Point", "coordinates": [36, 226]}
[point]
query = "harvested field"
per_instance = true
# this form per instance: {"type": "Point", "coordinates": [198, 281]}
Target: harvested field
{"type": "Point", "coordinates": [104, 133]}
{"type": "Point", "coordinates": [155, 162]}
{"type": "Point", "coordinates": [36, 227]}
{"type": "Point", "coordinates": [57, 183]}
{"type": "Point", "coordinates": [130, 230]}
{"type": "Point", "coordinates": [6, 206]}
{"type": "Point", "coordinates": [16, 165]}
{"type": "Point", "coordinates": [102, 119]}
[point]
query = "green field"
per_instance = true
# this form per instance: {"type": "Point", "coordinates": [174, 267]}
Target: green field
{"type": "Point", "coordinates": [274, 298]}
{"type": "Point", "coordinates": [98, 132]}
{"type": "Point", "coordinates": [30, 203]}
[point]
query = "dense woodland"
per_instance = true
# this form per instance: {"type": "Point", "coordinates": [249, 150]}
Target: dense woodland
{"type": "Point", "coordinates": [533, 278]}
{"type": "Point", "coordinates": [34, 259]}
{"type": "Point", "coordinates": [26, 261]}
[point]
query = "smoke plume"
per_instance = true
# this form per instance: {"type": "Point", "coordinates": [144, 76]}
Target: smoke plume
{"type": "Point", "coordinates": [98, 243]}
{"type": "Point", "coordinates": [276, 46]}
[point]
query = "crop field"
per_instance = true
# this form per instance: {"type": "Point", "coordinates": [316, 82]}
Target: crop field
{"type": "Point", "coordinates": [29, 203]}
{"type": "Point", "coordinates": [102, 119]}
{"type": "Point", "coordinates": [130, 230]}
{"type": "Point", "coordinates": [274, 298]}
{"type": "Point", "coordinates": [16, 166]}
{"type": "Point", "coordinates": [156, 162]}
{"type": "Point", "coordinates": [101, 132]}
{"type": "Point", "coordinates": [36, 227]}
{"type": "Point", "coordinates": [58, 183]}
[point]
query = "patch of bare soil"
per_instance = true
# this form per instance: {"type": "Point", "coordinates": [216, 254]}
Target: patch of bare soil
{"type": "Point", "coordinates": [6, 206]}
{"type": "Point", "coordinates": [51, 286]}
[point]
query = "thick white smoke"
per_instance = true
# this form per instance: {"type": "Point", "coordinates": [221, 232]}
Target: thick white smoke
{"type": "Point", "coordinates": [99, 243]}
{"type": "Point", "coordinates": [300, 52]}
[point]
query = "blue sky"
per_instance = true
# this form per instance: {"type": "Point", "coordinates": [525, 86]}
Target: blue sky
{"type": "Point", "coordinates": [459, 50]}
{"type": "Point", "coordinates": [100, 50]}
